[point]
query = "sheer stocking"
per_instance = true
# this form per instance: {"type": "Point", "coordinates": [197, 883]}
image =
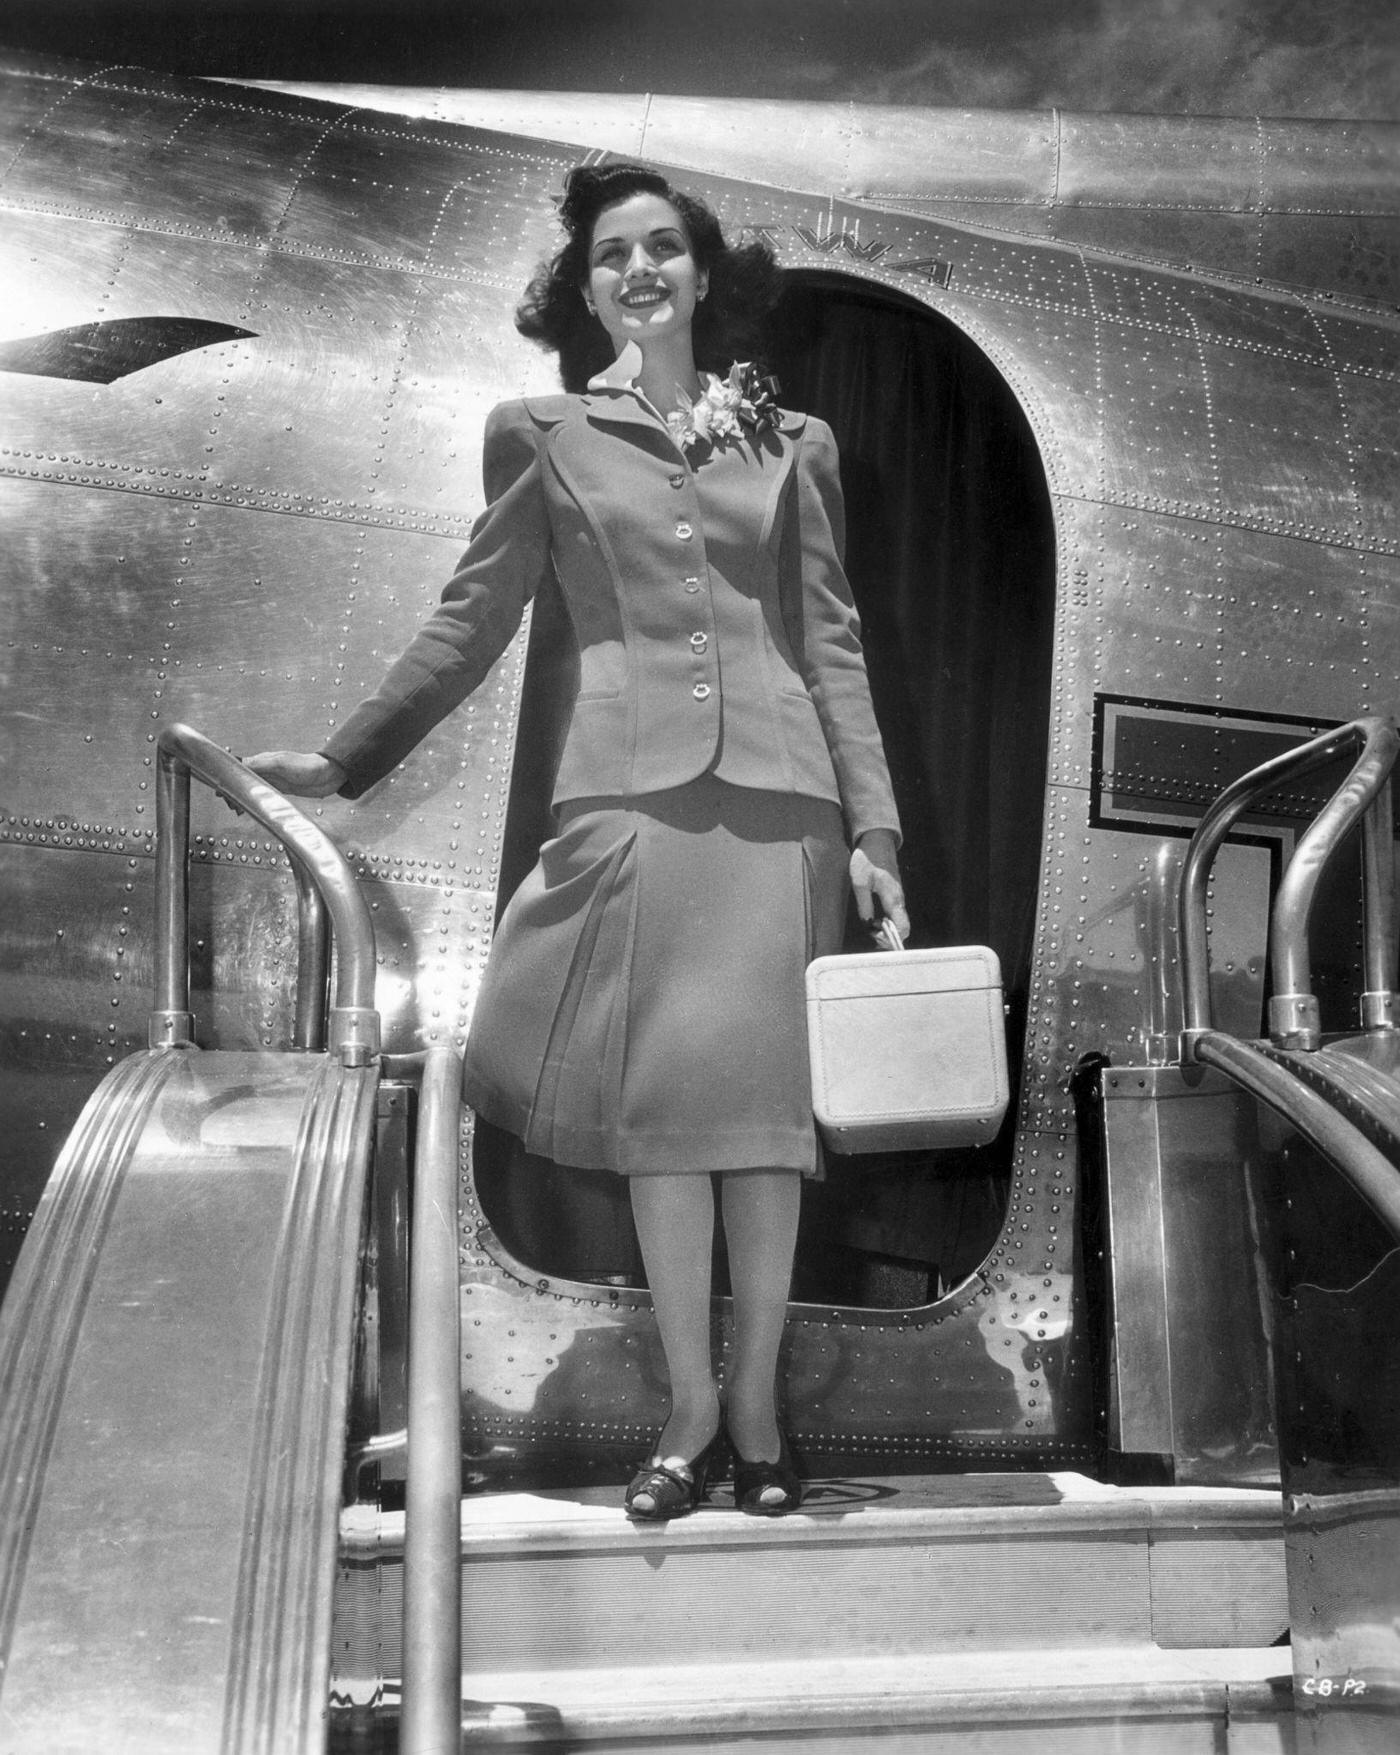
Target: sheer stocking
{"type": "Point", "coordinates": [675, 1218]}
{"type": "Point", "coordinates": [675, 1225]}
{"type": "Point", "coordinates": [760, 1209]}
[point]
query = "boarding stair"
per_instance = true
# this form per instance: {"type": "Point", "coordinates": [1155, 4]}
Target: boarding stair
{"type": "Point", "coordinates": [245, 1590]}
{"type": "Point", "coordinates": [997, 1612]}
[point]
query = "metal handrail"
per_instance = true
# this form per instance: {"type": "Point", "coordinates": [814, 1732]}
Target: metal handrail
{"type": "Point", "coordinates": [432, 1584]}
{"type": "Point", "coordinates": [1365, 793]}
{"type": "Point", "coordinates": [325, 886]}
{"type": "Point", "coordinates": [1342, 1143]}
{"type": "Point", "coordinates": [313, 963]}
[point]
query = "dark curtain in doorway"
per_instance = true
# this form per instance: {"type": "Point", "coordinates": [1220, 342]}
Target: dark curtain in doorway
{"type": "Point", "coordinates": [951, 556]}
{"type": "Point", "coordinates": [950, 550]}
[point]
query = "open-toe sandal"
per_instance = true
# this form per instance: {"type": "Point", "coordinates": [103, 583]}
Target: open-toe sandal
{"type": "Point", "coordinates": [669, 1486]}
{"type": "Point", "coordinates": [767, 1489]}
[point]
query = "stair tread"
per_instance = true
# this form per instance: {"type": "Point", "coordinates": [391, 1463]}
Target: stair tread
{"type": "Point", "coordinates": [1004, 1685]}
{"type": "Point", "coordinates": [901, 1508]}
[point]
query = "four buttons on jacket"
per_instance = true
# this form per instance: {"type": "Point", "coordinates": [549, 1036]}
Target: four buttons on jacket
{"type": "Point", "coordinates": [699, 640]}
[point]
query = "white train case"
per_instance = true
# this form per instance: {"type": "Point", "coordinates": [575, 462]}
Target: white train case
{"type": "Point", "coordinates": [908, 1048]}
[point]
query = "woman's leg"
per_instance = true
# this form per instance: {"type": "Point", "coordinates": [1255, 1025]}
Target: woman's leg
{"type": "Point", "coordinates": [760, 1210]}
{"type": "Point", "coordinates": [675, 1218]}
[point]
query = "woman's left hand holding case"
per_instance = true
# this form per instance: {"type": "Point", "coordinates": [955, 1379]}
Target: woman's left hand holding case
{"type": "Point", "coordinates": [875, 877]}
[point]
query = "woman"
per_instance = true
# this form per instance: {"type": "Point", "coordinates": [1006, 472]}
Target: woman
{"type": "Point", "coordinates": [642, 1006]}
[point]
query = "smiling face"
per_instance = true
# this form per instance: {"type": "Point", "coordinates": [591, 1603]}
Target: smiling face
{"type": "Point", "coordinates": [642, 277]}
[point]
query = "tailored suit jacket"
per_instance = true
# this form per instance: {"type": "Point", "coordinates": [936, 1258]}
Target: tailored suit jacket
{"type": "Point", "coordinates": [715, 626]}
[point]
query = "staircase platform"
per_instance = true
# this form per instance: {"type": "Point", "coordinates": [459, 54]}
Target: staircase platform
{"type": "Point", "coordinates": [1132, 1700]}
{"type": "Point", "coordinates": [976, 1613]}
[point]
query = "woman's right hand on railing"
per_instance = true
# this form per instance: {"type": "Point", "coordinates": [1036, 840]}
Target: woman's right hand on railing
{"type": "Point", "coordinates": [301, 773]}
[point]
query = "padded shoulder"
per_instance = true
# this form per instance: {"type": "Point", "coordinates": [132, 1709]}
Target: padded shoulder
{"type": "Point", "coordinates": [548, 411]}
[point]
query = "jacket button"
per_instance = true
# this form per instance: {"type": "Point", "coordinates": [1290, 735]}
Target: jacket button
{"type": "Point", "coordinates": [701, 691]}
{"type": "Point", "coordinates": [684, 531]}
{"type": "Point", "coordinates": [699, 641]}
{"type": "Point", "coordinates": [677, 481]}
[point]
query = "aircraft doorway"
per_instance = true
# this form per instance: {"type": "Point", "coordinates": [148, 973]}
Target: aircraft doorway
{"type": "Point", "coordinates": [950, 551]}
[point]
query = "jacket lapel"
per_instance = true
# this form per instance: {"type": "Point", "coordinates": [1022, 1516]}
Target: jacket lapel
{"type": "Point", "coordinates": [621, 409]}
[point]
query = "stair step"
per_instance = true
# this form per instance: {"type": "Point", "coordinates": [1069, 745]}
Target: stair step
{"type": "Point", "coordinates": [1131, 1700]}
{"type": "Point", "coordinates": [997, 1567]}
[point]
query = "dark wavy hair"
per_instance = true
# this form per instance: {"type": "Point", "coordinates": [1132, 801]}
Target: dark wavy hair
{"type": "Point", "coordinates": [743, 279]}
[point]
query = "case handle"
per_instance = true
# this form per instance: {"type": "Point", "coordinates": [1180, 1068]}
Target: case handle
{"type": "Point", "coordinates": [887, 936]}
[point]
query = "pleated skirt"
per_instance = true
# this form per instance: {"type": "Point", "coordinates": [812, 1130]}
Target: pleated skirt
{"type": "Point", "coordinates": [643, 1004]}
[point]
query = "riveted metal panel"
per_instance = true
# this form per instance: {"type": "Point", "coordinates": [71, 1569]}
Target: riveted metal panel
{"type": "Point", "coordinates": [1309, 203]}
{"type": "Point", "coordinates": [38, 83]}
{"type": "Point", "coordinates": [1107, 950]}
{"type": "Point", "coordinates": [893, 155]}
{"type": "Point", "coordinates": [1357, 256]}
{"type": "Point", "coordinates": [1215, 162]}
{"type": "Point", "coordinates": [1205, 242]}
{"type": "Point", "coordinates": [1040, 347]}
{"type": "Point", "coordinates": [1280, 445]}
{"type": "Point", "coordinates": [1382, 634]}
{"type": "Point", "coordinates": [1255, 321]}
{"type": "Point", "coordinates": [216, 175]}
{"type": "Point", "coordinates": [69, 939]}
{"type": "Point", "coordinates": [1358, 345]}
{"type": "Point", "coordinates": [377, 211]}
{"type": "Point", "coordinates": [1158, 448]}
{"type": "Point", "coordinates": [337, 329]}
{"type": "Point", "coordinates": [1343, 165]}
{"type": "Point", "coordinates": [1296, 638]}
{"type": "Point", "coordinates": [131, 609]}
{"type": "Point", "coordinates": [1003, 269]}
{"type": "Point", "coordinates": [1371, 412]}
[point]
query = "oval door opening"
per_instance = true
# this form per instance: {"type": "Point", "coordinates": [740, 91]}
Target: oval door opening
{"type": "Point", "coordinates": [950, 550]}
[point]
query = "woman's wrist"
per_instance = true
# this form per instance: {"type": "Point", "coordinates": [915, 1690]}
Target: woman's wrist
{"type": "Point", "coordinates": [884, 842]}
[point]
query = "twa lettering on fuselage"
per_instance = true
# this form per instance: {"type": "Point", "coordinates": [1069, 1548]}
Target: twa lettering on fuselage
{"type": "Point", "coordinates": [826, 242]}
{"type": "Point", "coordinates": [872, 250]}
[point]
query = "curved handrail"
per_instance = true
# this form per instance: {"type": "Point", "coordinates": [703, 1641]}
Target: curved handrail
{"type": "Point", "coordinates": [1367, 1168]}
{"type": "Point", "coordinates": [1293, 1012]}
{"type": "Point", "coordinates": [325, 884]}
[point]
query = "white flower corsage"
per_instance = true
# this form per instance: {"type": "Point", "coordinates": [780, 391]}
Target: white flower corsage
{"type": "Point", "coordinates": [727, 408]}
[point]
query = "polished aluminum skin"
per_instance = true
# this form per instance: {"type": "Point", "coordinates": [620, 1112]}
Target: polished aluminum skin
{"type": "Point", "coordinates": [1307, 203]}
{"type": "Point", "coordinates": [240, 537]}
